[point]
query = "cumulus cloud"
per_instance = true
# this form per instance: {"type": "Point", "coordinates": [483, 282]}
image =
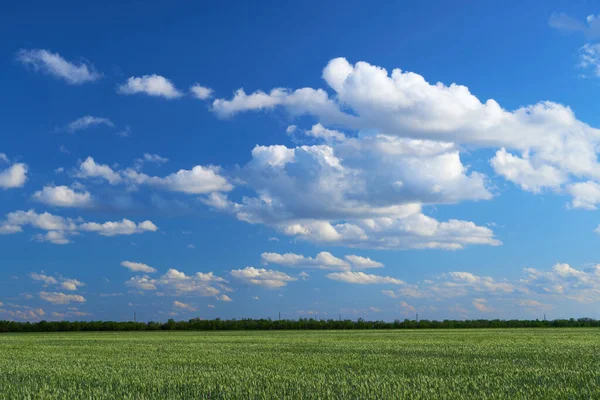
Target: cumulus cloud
{"type": "Point", "coordinates": [63, 196]}
{"type": "Point", "coordinates": [61, 298]}
{"type": "Point", "coordinates": [138, 267]}
{"type": "Point", "coordinates": [199, 180]}
{"type": "Point", "coordinates": [86, 122]}
{"type": "Point", "coordinates": [14, 176]}
{"type": "Point", "coordinates": [268, 278]}
{"type": "Point", "coordinates": [59, 228]}
{"type": "Point", "coordinates": [362, 278]}
{"type": "Point", "coordinates": [540, 146]}
{"type": "Point", "coordinates": [151, 85]}
{"type": "Point", "coordinates": [74, 73]}
{"type": "Point", "coordinates": [123, 227]}
{"type": "Point", "coordinates": [323, 260]}
{"type": "Point", "coordinates": [364, 192]}
{"type": "Point", "coordinates": [64, 283]}
{"type": "Point", "coordinates": [224, 298]}
{"type": "Point", "coordinates": [201, 92]}
{"type": "Point", "coordinates": [22, 313]}
{"type": "Point", "coordinates": [177, 283]}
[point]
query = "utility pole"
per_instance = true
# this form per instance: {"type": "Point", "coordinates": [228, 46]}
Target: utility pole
{"type": "Point", "coordinates": [340, 317]}
{"type": "Point", "coordinates": [134, 317]}
{"type": "Point", "coordinates": [417, 317]}
{"type": "Point", "coordinates": [544, 317]}
{"type": "Point", "coordinates": [280, 315]}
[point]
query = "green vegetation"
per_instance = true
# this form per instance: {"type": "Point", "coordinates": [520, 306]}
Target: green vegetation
{"type": "Point", "coordinates": [197, 324]}
{"type": "Point", "coordinates": [423, 364]}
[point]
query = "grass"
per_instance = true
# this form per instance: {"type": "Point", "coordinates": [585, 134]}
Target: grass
{"type": "Point", "coordinates": [440, 364]}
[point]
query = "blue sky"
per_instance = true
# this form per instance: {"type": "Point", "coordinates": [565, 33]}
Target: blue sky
{"type": "Point", "coordinates": [309, 159]}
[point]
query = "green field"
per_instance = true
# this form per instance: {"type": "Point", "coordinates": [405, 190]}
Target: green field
{"type": "Point", "coordinates": [424, 364]}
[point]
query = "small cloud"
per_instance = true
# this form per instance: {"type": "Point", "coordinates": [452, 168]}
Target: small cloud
{"type": "Point", "coordinates": [255, 298]}
{"type": "Point", "coordinates": [224, 298]}
{"type": "Point", "coordinates": [201, 92]}
{"type": "Point", "coordinates": [191, 246]}
{"type": "Point", "coordinates": [375, 309]}
{"type": "Point", "coordinates": [211, 306]}
{"type": "Point", "coordinates": [151, 85]}
{"type": "Point", "coordinates": [273, 239]}
{"type": "Point", "coordinates": [138, 267]}
{"type": "Point", "coordinates": [87, 121]}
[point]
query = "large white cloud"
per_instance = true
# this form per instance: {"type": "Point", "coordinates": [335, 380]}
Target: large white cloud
{"type": "Point", "coordinates": [55, 65]}
{"type": "Point", "coordinates": [361, 192]}
{"type": "Point", "coordinates": [553, 147]}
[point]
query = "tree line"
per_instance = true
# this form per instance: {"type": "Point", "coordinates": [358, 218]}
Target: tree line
{"type": "Point", "coordinates": [197, 324]}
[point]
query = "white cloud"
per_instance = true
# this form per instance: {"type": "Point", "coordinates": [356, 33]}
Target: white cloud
{"type": "Point", "coordinates": [14, 176]}
{"type": "Point", "coordinates": [362, 278]}
{"type": "Point", "coordinates": [123, 227]}
{"type": "Point", "coordinates": [4, 158]}
{"type": "Point", "coordinates": [201, 92]}
{"type": "Point", "coordinates": [137, 267]}
{"type": "Point", "coordinates": [63, 196]}
{"type": "Point", "coordinates": [24, 313]}
{"type": "Point", "coordinates": [557, 148]}
{"type": "Point", "coordinates": [390, 293]}
{"type": "Point", "coordinates": [323, 260]}
{"type": "Point", "coordinates": [224, 298]}
{"type": "Point", "coordinates": [176, 283]}
{"type": "Point", "coordinates": [71, 284]}
{"type": "Point", "coordinates": [89, 169]}
{"type": "Point", "coordinates": [141, 283]}
{"type": "Point", "coordinates": [61, 298]}
{"type": "Point", "coordinates": [359, 262]}
{"type": "Point", "coordinates": [86, 122]}
{"type": "Point", "coordinates": [585, 195]}
{"type": "Point", "coordinates": [199, 180]}
{"type": "Point", "coordinates": [364, 192]}
{"type": "Point", "coordinates": [319, 131]}
{"type": "Point", "coordinates": [255, 298]}
{"type": "Point", "coordinates": [183, 306]}
{"type": "Point", "coordinates": [590, 57]}
{"type": "Point", "coordinates": [48, 280]}
{"type": "Point", "coordinates": [264, 277]}
{"type": "Point", "coordinates": [53, 64]}
{"type": "Point", "coordinates": [55, 237]}
{"type": "Point", "coordinates": [64, 283]}
{"type": "Point", "coordinates": [59, 228]}
{"type": "Point", "coordinates": [152, 85]}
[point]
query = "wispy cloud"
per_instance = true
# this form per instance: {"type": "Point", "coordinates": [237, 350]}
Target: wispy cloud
{"type": "Point", "coordinates": [74, 73]}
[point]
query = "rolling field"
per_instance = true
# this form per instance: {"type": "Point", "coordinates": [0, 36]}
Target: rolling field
{"type": "Point", "coordinates": [424, 364]}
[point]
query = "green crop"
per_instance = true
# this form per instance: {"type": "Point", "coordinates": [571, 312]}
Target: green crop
{"type": "Point", "coordinates": [424, 364]}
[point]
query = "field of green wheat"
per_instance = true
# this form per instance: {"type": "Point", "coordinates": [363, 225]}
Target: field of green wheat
{"type": "Point", "coordinates": [424, 364]}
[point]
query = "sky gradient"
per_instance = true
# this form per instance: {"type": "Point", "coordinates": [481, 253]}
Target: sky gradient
{"type": "Point", "coordinates": [234, 161]}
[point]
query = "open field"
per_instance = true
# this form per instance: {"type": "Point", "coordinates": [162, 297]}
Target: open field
{"type": "Point", "coordinates": [425, 364]}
